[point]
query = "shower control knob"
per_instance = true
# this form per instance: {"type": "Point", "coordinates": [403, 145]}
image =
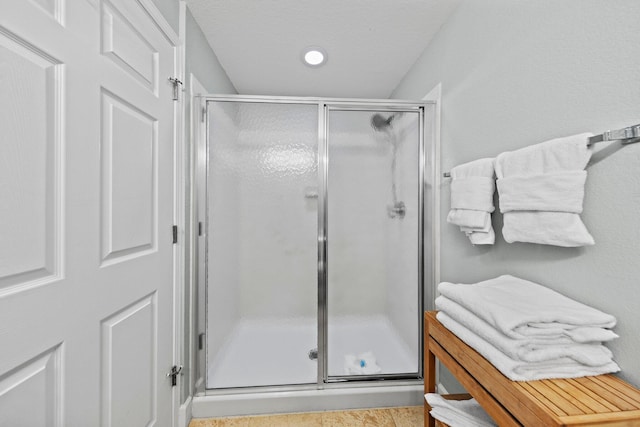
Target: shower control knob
{"type": "Point", "coordinates": [311, 193]}
{"type": "Point", "coordinates": [313, 354]}
{"type": "Point", "coordinates": [397, 210]}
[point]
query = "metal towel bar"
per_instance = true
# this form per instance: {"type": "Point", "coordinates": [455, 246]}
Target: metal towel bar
{"type": "Point", "coordinates": [627, 135]}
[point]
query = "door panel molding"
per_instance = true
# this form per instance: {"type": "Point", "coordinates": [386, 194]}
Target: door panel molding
{"type": "Point", "coordinates": [31, 224]}
{"type": "Point", "coordinates": [161, 22]}
{"type": "Point", "coordinates": [129, 364]}
{"type": "Point", "coordinates": [127, 48]}
{"type": "Point", "coordinates": [53, 8]}
{"type": "Point", "coordinates": [129, 200]}
{"type": "Point", "coordinates": [32, 393]}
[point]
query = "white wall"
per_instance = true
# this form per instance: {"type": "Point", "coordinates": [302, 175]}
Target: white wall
{"type": "Point", "coordinates": [515, 73]}
{"type": "Point", "coordinates": [202, 61]}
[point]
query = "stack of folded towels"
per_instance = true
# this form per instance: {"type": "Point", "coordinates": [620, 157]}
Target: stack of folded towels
{"type": "Point", "coordinates": [472, 188]}
{"type": "Point", "coordinates": [463, 413]}
{"type": "Point", "coordinates": [527, 331]}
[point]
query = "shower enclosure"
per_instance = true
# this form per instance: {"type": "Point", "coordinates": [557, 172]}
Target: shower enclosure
{"type": "Point", "coordinates": [314, 223]}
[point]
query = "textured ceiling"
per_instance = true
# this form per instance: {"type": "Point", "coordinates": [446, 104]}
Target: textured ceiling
{"type": "Point", "coordinates": [371, 44]}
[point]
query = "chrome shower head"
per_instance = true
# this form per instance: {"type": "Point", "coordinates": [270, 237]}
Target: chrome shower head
{"type": "Point", "coordinates": [379, 122]}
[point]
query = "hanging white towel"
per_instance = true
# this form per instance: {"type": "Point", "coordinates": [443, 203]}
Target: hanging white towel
{"type": "Point", "coordinates": [472, 188]}
{"type": "Point", "coordinates": [532, 349]}
{"type": "Point", "coordinates": [516, 370]}
{"type": "Point", "coordinates": [458, 413]}
{"type": "Point", "coordinates": [541, 190]}
{"type": "Point", "coordinates": [551, 192]}
{"type": "Point", "coordinates": [523, 309]}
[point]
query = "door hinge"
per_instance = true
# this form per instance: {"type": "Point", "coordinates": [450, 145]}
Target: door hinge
{"type": "Point", "coordinates": [173, 374]}
{"type": "Point", "coordinates": [176, 87]}
{"type": "Point", "coordinates": [199, 228]}
{"type": "Point", "coordinates": [174, 232]}
{"type": "Point", "coordinates": [201, 341]}
{"type": "Point", "coordinates": [204, 114]}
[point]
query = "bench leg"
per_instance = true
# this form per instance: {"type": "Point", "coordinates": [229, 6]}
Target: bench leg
{"type": "Point", "coordinates": [429, 377]}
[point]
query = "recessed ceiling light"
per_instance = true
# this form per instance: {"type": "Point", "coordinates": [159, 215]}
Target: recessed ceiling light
{"type": "Point", "coordinates": [314, 56]}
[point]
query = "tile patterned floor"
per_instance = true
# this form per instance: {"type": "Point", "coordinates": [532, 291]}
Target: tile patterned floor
{"type": "Point", "coordinates": [411, 416]}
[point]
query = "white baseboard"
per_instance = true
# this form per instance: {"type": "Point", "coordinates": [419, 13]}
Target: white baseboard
{"type": "Point", "coordinates": [184, 413]}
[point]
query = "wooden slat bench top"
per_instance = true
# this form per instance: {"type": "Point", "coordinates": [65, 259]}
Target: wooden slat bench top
{"type": "Point", "coordinates": [587, 401]}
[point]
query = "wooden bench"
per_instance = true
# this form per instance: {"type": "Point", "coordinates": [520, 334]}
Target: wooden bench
{"type": "Point", "coordinates": [588, 401]}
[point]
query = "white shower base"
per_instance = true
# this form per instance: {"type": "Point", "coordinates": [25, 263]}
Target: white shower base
{"type": "Point", "coordinates": [269, 352]}
{"type": "Point", "coordinates": [263, 352]}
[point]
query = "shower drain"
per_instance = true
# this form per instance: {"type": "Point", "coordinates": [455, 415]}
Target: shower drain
{"type": "Point", "coordinates": [313, 354]}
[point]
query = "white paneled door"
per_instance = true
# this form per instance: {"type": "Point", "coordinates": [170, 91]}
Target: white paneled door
{"type": "Point", "coordinates": [86, 209]}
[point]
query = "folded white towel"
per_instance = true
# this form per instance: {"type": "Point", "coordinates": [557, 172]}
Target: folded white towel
{"type": "Point", "coordinates": [469, 220]}
{"type": "Point", "coordinates": [481, 237]}
{"type": "Point", "coordinates": [526, 218]}
{"type": "Point", "coordinates": [363, 364]}
{"type": "Point", "coordinates": [472, 189]}
{"type": "Point", "coordinates": [550, 192]}
{"type": "Point", "coordinates": [527, 349]}
{"type": "Point", "coordinates": [546, 228]}
{"type": "Point", "coordinates": [462, 413]}
{"type": "Point", "coordinates": [520, 309]}
{"type": "Point", "coordinates": [516, 370]}
{"type": "Point", "coordinates": [473, 193]}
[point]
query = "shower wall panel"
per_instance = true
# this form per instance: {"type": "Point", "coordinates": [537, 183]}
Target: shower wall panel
{"type": "Point", "coordinates": [277, 147]}
{"type": "Point", "coordinates": [223, 308]}
{"type": "Point", "coordinates": [262, 270]}
{"type": "Point", "coordinates": [401, 296]}
{"type": "Point", "coordinates": [359, 188]}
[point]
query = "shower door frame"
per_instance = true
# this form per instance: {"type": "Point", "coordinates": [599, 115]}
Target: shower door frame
{"type": "Point", "coordinates": [426, 161]}
{"type": "Point", "coordinates": [323, 225]}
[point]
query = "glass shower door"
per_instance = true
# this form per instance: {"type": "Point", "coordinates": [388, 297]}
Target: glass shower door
{"type": "Point", "coordinates": [261, 243]}
{"type": "Point", "coordinates": [374, 218]}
